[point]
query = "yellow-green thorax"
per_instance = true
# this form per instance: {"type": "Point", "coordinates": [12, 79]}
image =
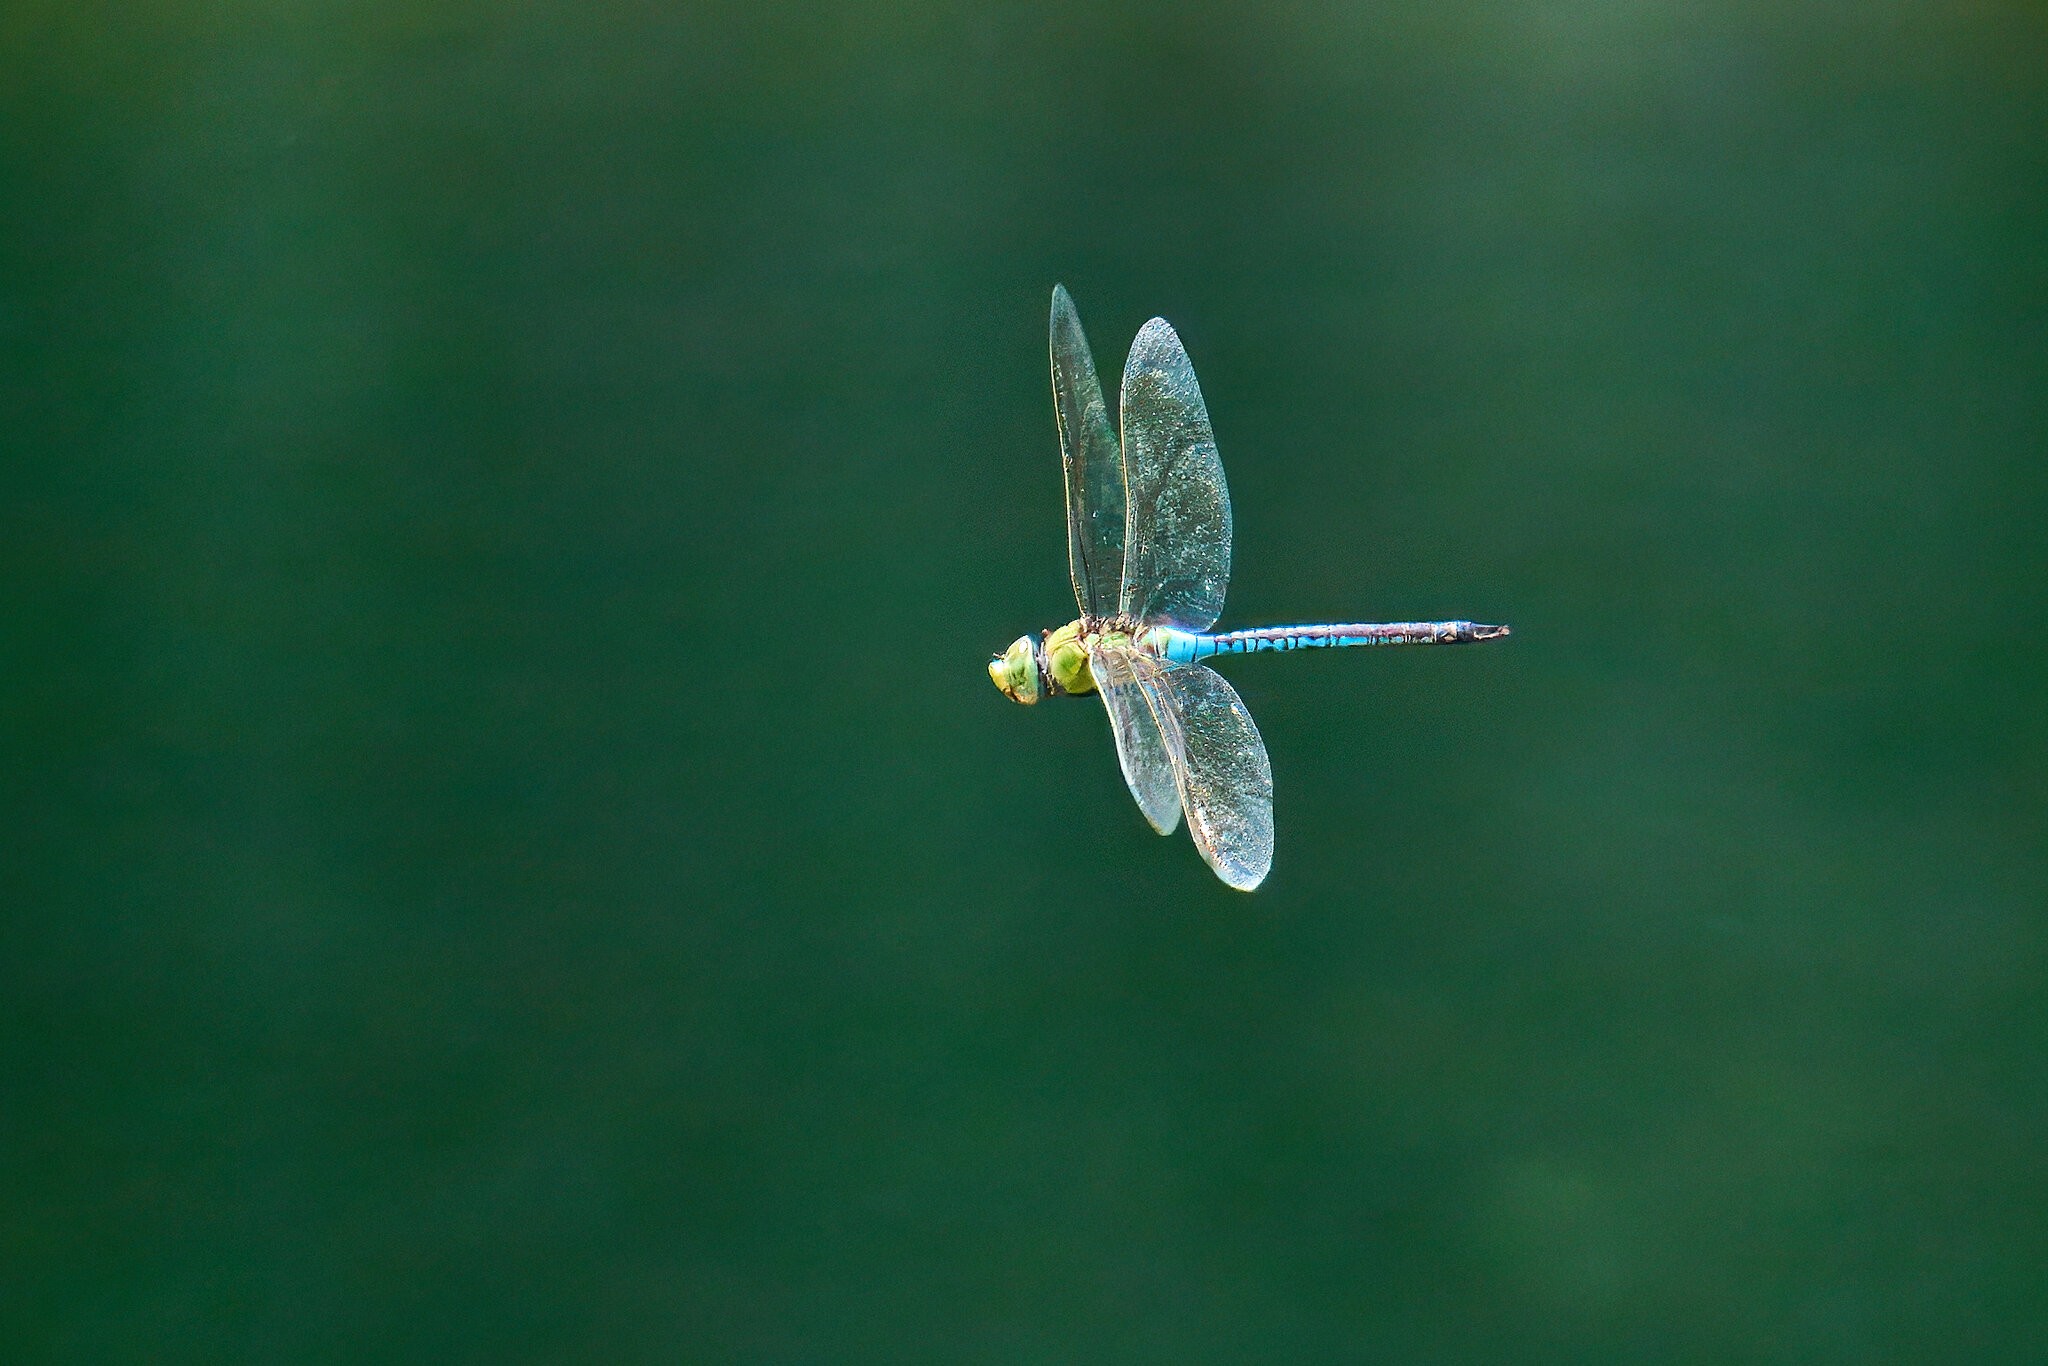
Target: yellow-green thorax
{"type": "Point", "coordinates": [1066, 659]}
{"type": "Point", "coordinates": [1054, 664]}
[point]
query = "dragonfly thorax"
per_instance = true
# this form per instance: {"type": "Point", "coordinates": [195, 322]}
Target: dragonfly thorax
{"type": "Point", "coordinates": [1065, 657]}
{"type": "Point", "coordinates": [1055, 663]}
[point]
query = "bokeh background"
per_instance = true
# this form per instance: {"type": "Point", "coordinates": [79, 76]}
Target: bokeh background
{"type": "Point", "coordinates": [511, 853]}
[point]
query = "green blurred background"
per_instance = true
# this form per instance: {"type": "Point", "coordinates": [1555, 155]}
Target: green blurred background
{"type": "Point", "coordinates": [512, 854]}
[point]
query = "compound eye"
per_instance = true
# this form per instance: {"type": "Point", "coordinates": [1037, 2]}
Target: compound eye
{"type": "Point", "coordinates": [1015, 672]}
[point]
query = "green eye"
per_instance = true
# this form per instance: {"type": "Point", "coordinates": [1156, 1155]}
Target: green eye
{"type": "Point", "coordinates": [1015, 671]}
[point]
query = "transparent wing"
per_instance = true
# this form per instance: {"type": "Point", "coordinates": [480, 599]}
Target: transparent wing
{"type": "Point", "coordinates": [1140, 745]}
{"type": "Point", "coordinates": [1219, 762]}
{"type": "Point", "coordinates": [1094, 463]}
{"type": "Point", "coordinates": [1177, 526]}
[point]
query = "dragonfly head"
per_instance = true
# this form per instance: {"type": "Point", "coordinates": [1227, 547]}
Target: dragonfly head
{"type": "Point", "coordinates": [1015, 671]}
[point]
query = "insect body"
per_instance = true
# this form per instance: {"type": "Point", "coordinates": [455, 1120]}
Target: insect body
{"type": "Point", "coordinates": [1148, 549]}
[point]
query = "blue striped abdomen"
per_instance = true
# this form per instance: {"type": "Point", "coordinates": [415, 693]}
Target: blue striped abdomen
{"type": "Point", "coordinates": [1185, 647]}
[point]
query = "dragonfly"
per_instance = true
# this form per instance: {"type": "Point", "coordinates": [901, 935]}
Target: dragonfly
{"type": "Point", "coordinates": [1148, 550]}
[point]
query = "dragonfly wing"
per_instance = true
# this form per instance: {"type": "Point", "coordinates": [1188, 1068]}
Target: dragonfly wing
{"type": "Point", "coordinates": [1220, 764]}
{"type": "Point", "coordinates": [1140, 744]}
{"type": "Point", "coordinates": [1094, 462]}
{"type": "Point", "coordinates": [1177, 523]}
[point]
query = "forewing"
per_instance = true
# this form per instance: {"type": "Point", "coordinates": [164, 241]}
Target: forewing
{"type": "Point", "coordinates": [1094, 463]}
{"type": "Point", "coordinates": [1226, 780]}
{"type": "Point", "coordinates": [1140, 745]}
{"type": "Point", "coordinates": [1177, 523]}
